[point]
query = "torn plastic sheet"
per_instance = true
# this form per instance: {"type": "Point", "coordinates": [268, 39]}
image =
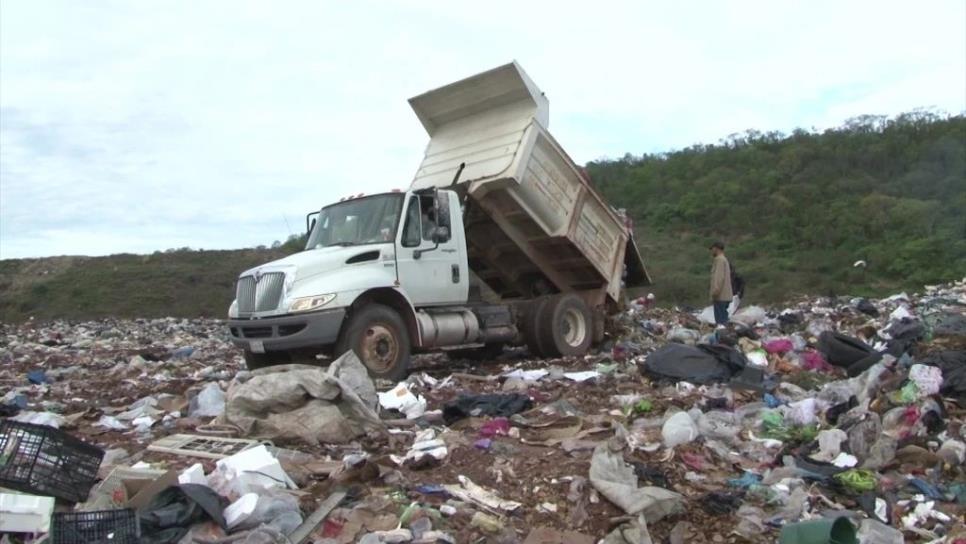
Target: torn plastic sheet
{"type": "Point", "coordinates": [582, 376]}
{"type": "Point", "coordinates": [470, 492]}
{"type": "Point", "coordinates": [49, 419]}
{"type": "Point", "coordinates": [526, 375]}
{"type": "Point", "coordinates": [304, 402]}
{"type": "Point", "coordinates": [631, 532]}
{"type": "Point", "coordinates": [616, 481]}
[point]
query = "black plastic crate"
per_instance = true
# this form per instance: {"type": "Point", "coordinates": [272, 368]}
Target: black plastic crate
{"type": "Point", "coordinates": [102, 526]}
{"type": "Point", "coordinates": [42, 460]}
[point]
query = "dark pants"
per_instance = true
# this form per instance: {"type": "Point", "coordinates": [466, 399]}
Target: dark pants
{"type": "Point", "coordinates": [721, 312]}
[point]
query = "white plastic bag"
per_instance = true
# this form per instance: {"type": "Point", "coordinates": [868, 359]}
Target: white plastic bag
{"type": "Point", "coordinates": [402, 399]}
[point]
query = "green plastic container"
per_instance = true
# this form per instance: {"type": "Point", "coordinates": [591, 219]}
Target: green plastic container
{"type": "Point", "coordinates": [820, 531]}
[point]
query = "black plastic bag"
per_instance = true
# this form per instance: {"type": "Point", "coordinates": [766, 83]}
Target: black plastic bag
{"type": "Point", "coordinates": [841, 350]}
{"type": "Point", "coordinates": [485, 405]}
{"type": "Point", "coordinates": [867, 308]}
{"type": "Point", "coordinates": [171, 513]}
{"type": "Point", "coordinates": [953, 365]}
{"type": "Point", "coordinates": [701, 364]}
{"type": "Point", "coordinates": [905, 334]}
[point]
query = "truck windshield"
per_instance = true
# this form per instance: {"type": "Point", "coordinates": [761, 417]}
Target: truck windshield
{"type": "Point", "coordinates": [367, 220]}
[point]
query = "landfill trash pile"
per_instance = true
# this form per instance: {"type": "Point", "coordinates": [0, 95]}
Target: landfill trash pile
{"type": "Point", "coordinates": [823, 420]}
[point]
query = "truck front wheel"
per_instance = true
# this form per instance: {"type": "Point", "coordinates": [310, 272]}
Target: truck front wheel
{"type": "Point", "coordinates": [565, 326]}
{"type": "Point", "coordinates": [379, 337]}
{"type": "Point", "coordinates": [254, 361]}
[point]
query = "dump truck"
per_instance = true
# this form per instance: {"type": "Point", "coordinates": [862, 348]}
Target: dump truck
{"type": "Point", "coordinates": [499, 240]}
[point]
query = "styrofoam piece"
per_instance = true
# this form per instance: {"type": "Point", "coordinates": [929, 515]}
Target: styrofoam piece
{"type": "Point", "coordinates": [240, 510]}
{"type": "Point", "coordinates": [195, 474]}
{"type": "Point", "coordinates": [25, 513]}
{"type": "Point", "coordinates": [402, 399]}
{"type": "Point", "coordinates": [254, 469]}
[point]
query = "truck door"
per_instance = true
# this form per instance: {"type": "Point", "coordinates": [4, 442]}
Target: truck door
{"type": "Point", "coordinates": [431, 273]}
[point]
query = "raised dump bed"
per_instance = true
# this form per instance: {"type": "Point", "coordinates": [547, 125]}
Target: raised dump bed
{"type": "Point", "coordinates": [534, 224]}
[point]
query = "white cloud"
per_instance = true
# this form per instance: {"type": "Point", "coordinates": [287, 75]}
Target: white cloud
{"type": "Point", "coordinates": [135, 127]}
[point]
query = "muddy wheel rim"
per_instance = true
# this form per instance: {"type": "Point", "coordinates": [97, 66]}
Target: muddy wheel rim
{"type": "Point", "coordinates": [379, 348]}
{"type": "Point", "coordinates": [573, 325]}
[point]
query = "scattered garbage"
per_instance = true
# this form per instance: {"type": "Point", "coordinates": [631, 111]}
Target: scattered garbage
{"type": "Point", "coordinates": [819, 531]}
{"type": "Point", "coordinates": [209, 402]}
{"type": "Point", "coordinates": [701, 364]}
{"type": "Point", "coordinates": [303, 402]}
{"type": "Point", "coordinates": [824, 409]}
{"type": "Point", "coordinates": [678, 429]}
{"type": "Point", "coordinates": [116, 526]}
{"type": "Point", "coordinates": [485, 405]}
{"type": "Point", "coordinates": [25, 513]}
{"type": "Point", "coordinates": [41, 460]}
{"type": "Point", "coordinates": [615, 480]}
{"type": "Point", "coordinates": [400, 398]}
{"type": "Point", "coordinates": [252, 470]}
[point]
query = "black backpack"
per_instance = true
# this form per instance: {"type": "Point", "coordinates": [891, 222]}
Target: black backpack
{"type": "Point", "coordinates": [737, 283]}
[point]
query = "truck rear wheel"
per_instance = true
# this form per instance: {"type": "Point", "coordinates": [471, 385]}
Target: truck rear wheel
{"type": "Point", "coordinates": [565, 326]}
{"type": "Point", "coordinates": [531, 331]}
{"type": "Point", "coordinates": [379, 337]}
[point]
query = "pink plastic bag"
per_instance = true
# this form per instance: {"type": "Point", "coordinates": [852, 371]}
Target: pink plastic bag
{"type": "Point", "coordinates": [779, 345]}
{"type": "Point", "coordinates": [495, 427]}
{"type": "Point", "coordinates": [813, 360]}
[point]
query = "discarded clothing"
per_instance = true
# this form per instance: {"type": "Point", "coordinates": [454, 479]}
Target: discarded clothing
{"type": "Point", "coordinates": [485, 405]}
{"type": "Point", "coordinates": [701, 364]}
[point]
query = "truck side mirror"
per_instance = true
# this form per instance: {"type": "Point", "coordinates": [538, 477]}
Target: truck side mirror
{"type": "Point", "coordinates": [441, 235]}
{"type": "Point", "coordinates": [442, 210]}
{"type": "Point", "coordinates": [310, 219]}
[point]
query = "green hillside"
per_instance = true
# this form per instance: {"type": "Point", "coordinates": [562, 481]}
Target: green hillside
{"type": "Point", "coordinates": [180, 283]}
{"type": "Point", "coordinates": [795, 210]}
{"type": "Point", "coordinates": [798, 210]}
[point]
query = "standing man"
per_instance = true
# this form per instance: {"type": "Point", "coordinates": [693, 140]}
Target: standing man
{"type": "Point", "coordinates": [721, 293]}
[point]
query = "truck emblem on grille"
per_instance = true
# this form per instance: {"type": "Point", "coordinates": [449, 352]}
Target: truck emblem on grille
{"type": "Point", "coordinates": [258, 275]}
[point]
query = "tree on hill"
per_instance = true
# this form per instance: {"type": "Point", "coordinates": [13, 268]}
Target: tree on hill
{"type": "Point", "coordinates": [799, 209]}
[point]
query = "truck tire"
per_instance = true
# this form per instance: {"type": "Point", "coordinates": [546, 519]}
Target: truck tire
{"type": "Point", "coordinates": [531, 332]}
{"type": "Point", "coordinates": [565, 326]}
{"type": "Point", "coordinates": [254, 361]}
{"type": "Point", "coordinates": [379, 337]}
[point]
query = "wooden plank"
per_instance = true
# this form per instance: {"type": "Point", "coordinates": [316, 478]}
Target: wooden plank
{"type": "Point", "coordinates": [304, 531]}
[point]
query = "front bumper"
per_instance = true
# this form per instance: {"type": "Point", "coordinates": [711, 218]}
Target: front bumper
{"type": "Point", "coordinates": [286, 332]}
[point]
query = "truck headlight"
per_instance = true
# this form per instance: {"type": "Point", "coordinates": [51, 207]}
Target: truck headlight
{"type": "Point", "coordinates": [305, 304]}
{"type": "Point", "coordinates": [233, 309]}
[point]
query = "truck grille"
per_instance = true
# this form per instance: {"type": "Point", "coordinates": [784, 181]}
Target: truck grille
{"type": "Point", "coordinates": [260, 296]}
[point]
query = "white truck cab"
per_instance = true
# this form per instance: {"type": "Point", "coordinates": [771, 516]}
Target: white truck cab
{"type": "Point", "coordinates": [500, 240]}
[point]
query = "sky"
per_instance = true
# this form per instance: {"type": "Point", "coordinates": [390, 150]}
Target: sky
{"type": "Point", "coordinates": [131, 127]}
